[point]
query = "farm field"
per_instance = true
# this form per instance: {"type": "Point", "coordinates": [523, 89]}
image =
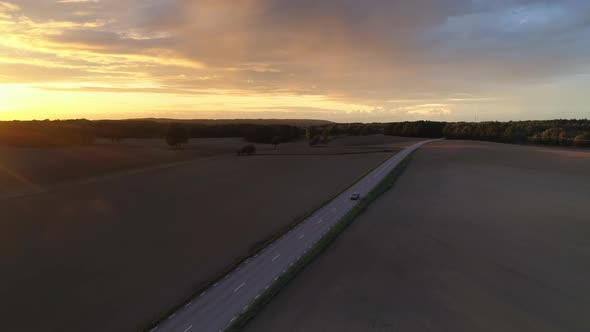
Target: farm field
{"type": "Point", "coordinates": [473, 236]}
{"type": "Point", "coordinates": [30, 170]}
{"type": "Point", "coordinates": [111, 254]}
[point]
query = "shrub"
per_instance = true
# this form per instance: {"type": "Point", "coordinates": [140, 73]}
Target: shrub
{"type": "Point", "coordinates": [248, 150]}
{"type": "Point", "coordinates": [582, 140]}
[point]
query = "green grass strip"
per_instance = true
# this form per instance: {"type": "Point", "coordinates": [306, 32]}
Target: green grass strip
{"type": "Point", "coordinates": [318, 247]}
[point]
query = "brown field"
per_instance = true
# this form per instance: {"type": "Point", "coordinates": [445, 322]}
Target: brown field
{"type": "Point", "coordinates": [474, 236]}
{"type": "Point", "coordinates": [111, 254]}
{"type": "Point", "coordinates": [30, 170]}
{"type": "Point", "coordinates": [24, 170]}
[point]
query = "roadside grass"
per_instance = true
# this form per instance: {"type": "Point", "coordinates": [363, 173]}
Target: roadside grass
{"type": "Point", "coordinates": [255, 249]}
{"type": "Point", "coordinates": [319, 247]}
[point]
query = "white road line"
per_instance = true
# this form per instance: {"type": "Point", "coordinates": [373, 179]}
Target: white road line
{"type": "Point", "coordinates": [240, 286]}
{"type": "Point", "coordinates": [277, 256]}
{"type": "Point", "coordinates": [256, 297]}
{"type": "Point", "coordinates": [188, 328]}
{"type": "Point", "coordinates": [267, 286]}
{"type": "Point", "coordinates": [215, 284]}
{"type": "Point", "coordinates": [170, 317]}
{"type": "Point", "coordinates": [186, 305]}
{"type": "Point", "coordinates": [226, 276]}
{"type": "Point", "coordinates": [301, 236]}
{"type": "Point", "coordinates": [155, 328]}
{"type": "Point", "coordinates": [203, 293]}
{"type": "Point", "coordinates": [320, 221]}
{"type": "Point", "coordinates": [246, 307]}
{"type": "Point", "coordinates": [231, 321]}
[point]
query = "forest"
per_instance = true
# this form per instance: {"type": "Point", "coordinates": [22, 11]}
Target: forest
{"type": "Point", "coordinates": [549, 132]}
{"type": "Point", "coordinates": [84, 132]}
{"type": "Point", "coordinates": [47, 133]}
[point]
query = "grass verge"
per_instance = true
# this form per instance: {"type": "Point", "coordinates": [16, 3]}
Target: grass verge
{"type": "Point", "coordinates": [318, 247]}
{"type": "Point", "coordinates": [255, 249]}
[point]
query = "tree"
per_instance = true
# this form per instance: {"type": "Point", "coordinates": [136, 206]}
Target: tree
{"type": "Point", "coordinates": [276, 140]}
{"type": "Point", "coordinates": [310, 134]}
{"type": "Point", "coordinates": [177, 135]}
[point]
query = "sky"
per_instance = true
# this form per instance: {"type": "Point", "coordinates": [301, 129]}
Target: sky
{"type": "Point", "coordinates": [361, 60]}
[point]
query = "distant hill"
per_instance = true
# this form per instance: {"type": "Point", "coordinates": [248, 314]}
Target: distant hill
{"type": "Point", "coordinates": [290, 122]}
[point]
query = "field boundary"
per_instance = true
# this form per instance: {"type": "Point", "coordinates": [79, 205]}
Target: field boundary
{"type": "Point", "coordinates": [255, 249]}
{"type": "Point", "coordinates": [329, 154]}
{"type": "Point", "coordinates": [319, 247]}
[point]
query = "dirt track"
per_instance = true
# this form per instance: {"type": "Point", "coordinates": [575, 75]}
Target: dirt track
{"type": "Point", "coordinates": [473, 237]}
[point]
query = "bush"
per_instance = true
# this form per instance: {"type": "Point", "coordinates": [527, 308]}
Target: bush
{"type": "Point", "coordinates": [248, 150]}
{"type": "Point", "coordinates": [582, 140]}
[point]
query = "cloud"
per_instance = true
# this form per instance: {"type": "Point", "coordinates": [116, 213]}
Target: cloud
{"type": "Point", "coordinates": [75, 1]}
{"type": "Point", "coordinates": [383, 54]}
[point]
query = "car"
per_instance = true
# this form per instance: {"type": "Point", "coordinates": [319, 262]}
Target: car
{"type": "Point", "coordinates": [355, 196]}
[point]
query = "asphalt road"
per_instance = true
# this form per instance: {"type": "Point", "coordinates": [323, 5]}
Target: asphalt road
{"type": "Point", "coordinates": [217, 307]}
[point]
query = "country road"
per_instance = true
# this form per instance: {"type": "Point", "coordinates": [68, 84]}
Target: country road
{"type": "Point", "coordinates": [217, 307]}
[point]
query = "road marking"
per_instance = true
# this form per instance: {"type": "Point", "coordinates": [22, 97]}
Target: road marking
{"type": "Point", "coordinates": [267, 286]}
{"type": "Point", "coordinates": [188, 328]}
{"type": "Point", "coordinates": [186, 305]}
{"type": "Point", "coordinates": [226, 276]}
{"type": "Point", "coordinates": [256, 297]}
{"type": "Point", "coordinates": [237, 268]}
{"type": "Point", "coordinates": [301, 236]}
{"type": "Point", "coordinates": [233, 319]}
{"type": "Point", "coordinates": [246, 261]}
{"type": "Point", "coordinates": [174, 314]}
{"type": "Point", "coordinates": [215, 285]}
{"type": "Point", "coordinates": [155, 328]}
{"type": "Point", "coordinates": [277, 256]}
{"type": "Point", "coordinates": [240, 286]}
{"type": "Point", "coordinates": [320, 221]}
{"type": "Point", "coordinates": [203, 293]}
{"type": "Point", "coordinates": [276, 278]}
{"type": "Point", "coordinates": [246, 307]}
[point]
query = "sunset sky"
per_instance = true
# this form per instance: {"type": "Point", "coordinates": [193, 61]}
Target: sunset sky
{"type": "Point", "coordinates": [381, 60]}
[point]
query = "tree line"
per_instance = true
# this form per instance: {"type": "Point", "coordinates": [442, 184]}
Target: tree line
{"type": "Point", "coordinates": [83, 132]}
{"type": "Point", "coordinates": [321, 134]}
{"type": "Point", "coordinates": [431, 129]}
{"type": "Point", "coordinates": [550, 132]}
